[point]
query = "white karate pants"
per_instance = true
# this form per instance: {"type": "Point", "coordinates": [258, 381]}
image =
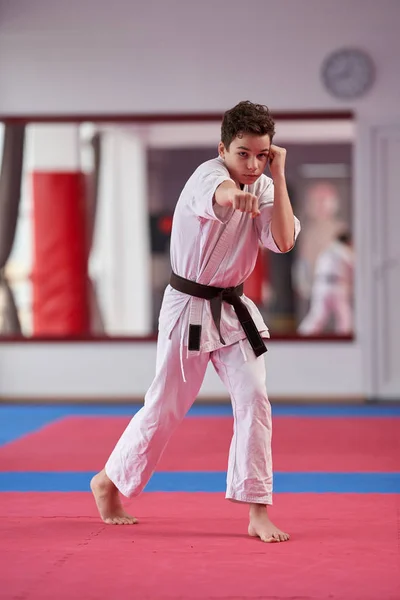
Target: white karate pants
{"type": "Point", "coordinates": [249, 477]}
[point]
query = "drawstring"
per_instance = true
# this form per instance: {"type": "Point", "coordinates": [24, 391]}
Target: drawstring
{"type": "Point", "coordinates": [181, 349]}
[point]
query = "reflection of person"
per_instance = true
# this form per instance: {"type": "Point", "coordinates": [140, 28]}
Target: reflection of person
{"type": "Point", "coordinates": [320, 227]}
{"type": "Point", "coordinates": [225, 209]}
{"type": "Point", "coordinates": [332, 290]}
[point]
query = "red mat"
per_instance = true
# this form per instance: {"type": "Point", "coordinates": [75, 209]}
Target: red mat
{"type": "Point", "coordinates": [202, 444]}
{"type": "Point", "coordinates": [343, 547]}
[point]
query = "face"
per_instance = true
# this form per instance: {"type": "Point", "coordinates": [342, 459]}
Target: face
{"type": "Point", "coordinates": [322, 201]}
{"type": "Point", "coordinates": [247, 157]}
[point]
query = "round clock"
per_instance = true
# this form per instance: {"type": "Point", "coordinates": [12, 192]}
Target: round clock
{"type": "Point", "coordinates": [348, 73]}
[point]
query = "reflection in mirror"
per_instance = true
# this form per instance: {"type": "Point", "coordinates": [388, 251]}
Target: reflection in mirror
{"type": "Point", "coordinates": [85, 218]}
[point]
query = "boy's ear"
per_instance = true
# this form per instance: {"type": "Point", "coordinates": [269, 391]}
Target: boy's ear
{"type": "Point", "coordinates": [221, 150]}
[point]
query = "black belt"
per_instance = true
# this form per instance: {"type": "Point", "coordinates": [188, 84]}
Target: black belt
{"type": "Point", "coordinates": [329, 278]}
{"type": "Point", "coordinates": [216, 295]}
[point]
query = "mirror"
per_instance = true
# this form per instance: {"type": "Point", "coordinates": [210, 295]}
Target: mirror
{"type": "Point", "coordinates": [85, 217]}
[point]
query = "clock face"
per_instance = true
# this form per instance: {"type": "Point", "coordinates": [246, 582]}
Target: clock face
{"type": "Point", "coordinates": [348, 73]}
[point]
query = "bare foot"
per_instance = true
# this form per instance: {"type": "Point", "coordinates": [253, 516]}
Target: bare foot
{"type": "Point", "coordinates": [108, 501]}
{"type": "Point", "coordinates": [261, 526]}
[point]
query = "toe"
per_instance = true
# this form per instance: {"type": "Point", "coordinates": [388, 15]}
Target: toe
{"type": "Point", "coordinates": [128, 520]}
{"type": "Point", "coordinates": [131, 520]}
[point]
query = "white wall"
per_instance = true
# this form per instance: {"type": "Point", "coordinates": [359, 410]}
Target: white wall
{"type": "Point", "coordinates": [181, 56]}
{"type": "Point", "coordinates": [125, 370]}
{"type": "Point", "coordinates": [177, 56]}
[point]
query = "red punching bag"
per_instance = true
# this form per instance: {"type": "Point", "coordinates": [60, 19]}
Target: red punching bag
{"type": "Point", "coordinates": [59, 277]}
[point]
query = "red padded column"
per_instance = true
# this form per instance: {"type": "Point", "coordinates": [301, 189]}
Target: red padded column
{"type": "Point", "coordinates": [59, 277]}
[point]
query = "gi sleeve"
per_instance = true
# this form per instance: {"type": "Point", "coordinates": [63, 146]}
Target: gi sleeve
{"type": "Point", "coordinates": [263, 221]}
{"type": "Point", "coordinates": [203, 198]}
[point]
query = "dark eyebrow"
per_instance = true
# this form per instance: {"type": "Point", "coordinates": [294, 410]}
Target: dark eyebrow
{"type": "Point", "coordinates": [248, 149]}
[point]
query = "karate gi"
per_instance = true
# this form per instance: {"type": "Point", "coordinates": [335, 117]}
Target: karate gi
{"type": "Point", "coordinates": [332, 292]}
{"type": "Point", "coordinates": [214, 246]}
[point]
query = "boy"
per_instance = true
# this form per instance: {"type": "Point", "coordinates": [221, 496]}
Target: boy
{"type": "Point", "coordinates": [225, 209]}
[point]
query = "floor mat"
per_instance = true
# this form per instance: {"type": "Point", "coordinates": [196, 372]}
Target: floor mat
{"type": "Point", "coordinates": [83, 443]}
{"type": "Point", "coordinates": [195, 546]}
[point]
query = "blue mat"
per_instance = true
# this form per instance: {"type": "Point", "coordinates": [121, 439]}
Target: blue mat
{"type": "Point", "coordinates": [17, 421]}
{"type": "Point", "coordinates": [357, 483]}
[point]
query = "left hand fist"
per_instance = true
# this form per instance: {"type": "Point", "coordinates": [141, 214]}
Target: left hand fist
{"type": "Point", "coordinates": [277, 159]}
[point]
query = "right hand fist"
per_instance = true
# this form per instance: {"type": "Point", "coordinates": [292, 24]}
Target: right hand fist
{"type": "Point", "coordinates": [245, 202]}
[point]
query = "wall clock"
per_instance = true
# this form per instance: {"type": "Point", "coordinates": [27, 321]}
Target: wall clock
{"type": "Point", "coordinates": [348, 73]}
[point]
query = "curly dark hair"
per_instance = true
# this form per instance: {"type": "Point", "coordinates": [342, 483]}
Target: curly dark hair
{"type": "Point", "coordinates": [246, 117]}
